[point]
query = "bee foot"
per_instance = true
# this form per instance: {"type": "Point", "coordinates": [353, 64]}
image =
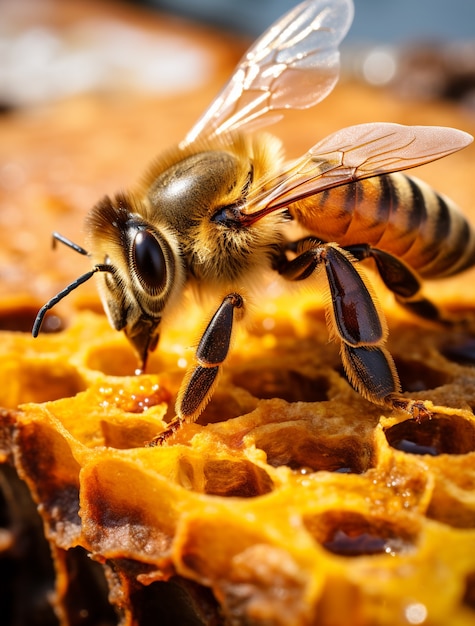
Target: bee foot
{"type": "Point", "coordinates": [417, 409]}
{"type": "Point", "coordinates": [165, 435]}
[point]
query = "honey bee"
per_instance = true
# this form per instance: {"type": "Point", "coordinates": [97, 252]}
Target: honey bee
{"type": "Point", "coordinates": [212, 214]}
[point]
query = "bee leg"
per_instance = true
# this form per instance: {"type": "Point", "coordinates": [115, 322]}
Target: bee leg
{"type": "Point", "coordinates": [198, 385]}
{"type": "Point", "coordinates": [299, 244]}
{"type": "Point", "coordinates": [368, 365]}
{"type": "Point", "coordinates": [162, 437]}
{"type": "Point", "coordinates": [373, 369]}
{"type": "Point", "coordinates": [355, 318]}
{"type": "Point", "coordinates": [401, 280]}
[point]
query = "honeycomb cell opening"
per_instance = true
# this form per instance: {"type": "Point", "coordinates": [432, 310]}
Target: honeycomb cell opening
{"type": "Point", "coordinates": [235, 479]}
{"type": "Point", "coordinates": [297, 447]}
{"type": "Point", "coordinates": [112, 359]}
{"type": "Point", "coordinates": [224, 478]}
{"type": "Point", "coordinates": [351, 534]}
{"type": "Point", "coordinates": [451, 511]}
{"type": "Point", "coordinates": [469, 593]}
{"type": "Point", "coordinates": [461, 351]}
{"type": "Point", "coordinates": [44, 381]}
{"type": "Point", "coordinates": [21, 319]}
{"type": "Point", "coordinates": [415, 375]}
{"type": "Point", "coordinates": [225, 404]}
{"type": "Point", "coordinates": [290, 385]}
{"type": "Point", "coordinates": [440, 435]}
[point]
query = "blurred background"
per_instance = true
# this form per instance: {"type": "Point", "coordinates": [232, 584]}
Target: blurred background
{"type": "Point", "coordinates": [375, 20]}
{"type": "Point", "coordinates": [426, 46]}
{"type": "Point", "coordinates": [90, 91]}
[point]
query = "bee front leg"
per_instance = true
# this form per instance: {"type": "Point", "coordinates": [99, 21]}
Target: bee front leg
{"type": "Point", "coordinates": [358, 323]}
{"type": "Point", "coordinates": [212, 351]}
{"type": "Point", "coordinates": [200, 381]}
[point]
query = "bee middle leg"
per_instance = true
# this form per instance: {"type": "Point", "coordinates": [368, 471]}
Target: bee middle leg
{"type": "Point", "coordinates": [200, 381]}
{"type": "Point", "coordinates": [358, 323]}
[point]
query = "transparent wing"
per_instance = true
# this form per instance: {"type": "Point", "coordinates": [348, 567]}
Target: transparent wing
{"type": "Point", "coordinates": [293, 65]}
{"type": "Point", "coordinates": [355, 153]}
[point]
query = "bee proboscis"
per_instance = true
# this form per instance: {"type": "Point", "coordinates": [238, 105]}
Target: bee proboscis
{"type": "Point", "coordinates": [212, 214]}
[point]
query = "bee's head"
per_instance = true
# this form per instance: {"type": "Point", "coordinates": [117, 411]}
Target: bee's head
{"type": "Point", "coordinates": [140, 269]}
{"type": "Point", "coordinates": [144, 270]}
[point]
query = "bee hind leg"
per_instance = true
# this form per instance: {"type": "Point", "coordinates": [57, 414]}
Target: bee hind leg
{"type": "Point", "coordinates": [200, 381]}
{"type": "Point", "coordinates": [402, 281]}
{"type": "Point", "coordinates": [356, 320]}
{"type": "Point", "coordinates": [372, 372]}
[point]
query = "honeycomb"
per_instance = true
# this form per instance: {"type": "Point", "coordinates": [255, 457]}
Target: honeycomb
{"type": "Point", "coordinates": [292, 501]}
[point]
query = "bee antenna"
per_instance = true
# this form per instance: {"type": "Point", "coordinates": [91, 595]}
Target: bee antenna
{"type": "Point", "coordinates": [67, 242]}
{"type": "Point", "coordinates": [67, 290]}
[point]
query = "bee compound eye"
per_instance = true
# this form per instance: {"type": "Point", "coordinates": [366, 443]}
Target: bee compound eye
{"type": "Point", "coordinates": [149, 262]}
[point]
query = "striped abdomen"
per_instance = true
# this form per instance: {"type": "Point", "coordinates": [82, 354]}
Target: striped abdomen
{"type": "Point", "coordinates": [398, 214]}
